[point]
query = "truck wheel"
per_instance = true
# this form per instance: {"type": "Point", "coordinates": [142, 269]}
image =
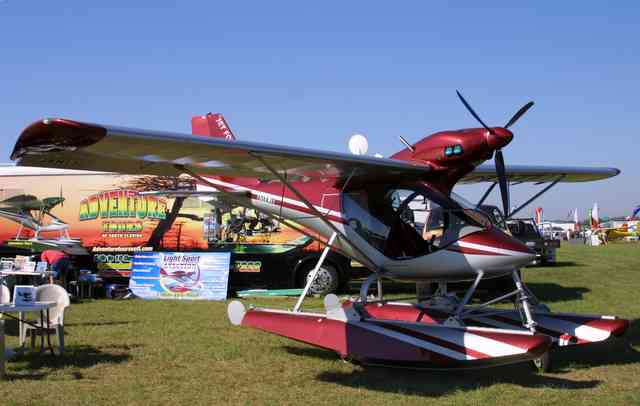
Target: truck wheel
{"type": "Point", "coordinates": [541, 307]}
{"type": "Point", "coordinates": [327, 280]}
{"type": "Point", "coordinates": [542, 364]}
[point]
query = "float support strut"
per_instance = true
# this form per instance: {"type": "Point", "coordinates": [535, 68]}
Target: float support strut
{"type": "Point", "coordinates": [529, 322]}
{"type": "Point", "coordinates": [314, 272]}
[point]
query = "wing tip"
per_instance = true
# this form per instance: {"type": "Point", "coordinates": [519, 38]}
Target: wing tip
{"type": "Point", "coordinates": [56, 134]}
{"type": "Point", "coordinates": [607, 173]}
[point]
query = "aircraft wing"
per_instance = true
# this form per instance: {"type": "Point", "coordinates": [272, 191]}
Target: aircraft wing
{"type": "Point", "coordinates": [182, 193]}
{"type": "Point", "coordinates": [61, 143]}
{"type": "Point", "coordinates": [539, 174]}
{"type": "Point", "coordinates": [19, 201]}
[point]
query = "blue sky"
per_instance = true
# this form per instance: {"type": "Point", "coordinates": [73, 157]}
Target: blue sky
{"type": "Point", "coordinates": [313, 74]}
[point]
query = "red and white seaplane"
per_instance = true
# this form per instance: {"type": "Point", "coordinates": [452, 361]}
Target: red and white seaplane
{"type": "Point", "coordinates": [381, 213]}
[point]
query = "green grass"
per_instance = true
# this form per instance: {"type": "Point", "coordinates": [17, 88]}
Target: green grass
{"type": "Point", "coordinates": [136, 352]}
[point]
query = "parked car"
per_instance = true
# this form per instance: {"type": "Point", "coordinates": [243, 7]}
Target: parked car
{"type": "Point", "coordinates": [526, 231]}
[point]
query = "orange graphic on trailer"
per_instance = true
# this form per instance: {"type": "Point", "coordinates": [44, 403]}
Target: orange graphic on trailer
{"type": "Point", "coordinates": [122, 212]}
{"type": "Point", "coordinates": [113, 216]}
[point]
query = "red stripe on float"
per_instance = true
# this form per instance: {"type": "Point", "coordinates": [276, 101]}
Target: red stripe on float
{"type": "Point", "coordinates": [435, 340]}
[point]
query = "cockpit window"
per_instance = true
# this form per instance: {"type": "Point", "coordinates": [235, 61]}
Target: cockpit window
{"type": "Point", "coordinates": [462, 201]}
{"type": "Point", "coordinates": [408, 221]}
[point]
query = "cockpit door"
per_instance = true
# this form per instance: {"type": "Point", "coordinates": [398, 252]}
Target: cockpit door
{"type": "Point", "coordinates": [406, 222]}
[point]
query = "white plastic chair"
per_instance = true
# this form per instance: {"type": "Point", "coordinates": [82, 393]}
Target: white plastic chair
{"type": "Point", "coordinates": [5, 295]}
{"type": "Point", "coordinates": [50, 293]}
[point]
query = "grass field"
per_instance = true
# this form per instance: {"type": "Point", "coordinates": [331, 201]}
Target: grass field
{"type": "Point", "coordinates": [135, 352]}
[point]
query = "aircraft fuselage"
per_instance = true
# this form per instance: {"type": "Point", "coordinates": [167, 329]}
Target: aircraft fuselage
{"type": "Point", "coordinates": [459, 257]}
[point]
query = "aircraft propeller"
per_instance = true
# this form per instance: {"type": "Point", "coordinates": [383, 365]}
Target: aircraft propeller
{"type": "Point", "coordinates": [499, 158]}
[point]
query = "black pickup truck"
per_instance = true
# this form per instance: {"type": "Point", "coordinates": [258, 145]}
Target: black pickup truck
{"type": "Point", "coordinates": [525, 230]}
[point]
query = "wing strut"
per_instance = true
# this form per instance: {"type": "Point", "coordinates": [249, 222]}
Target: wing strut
{"type": "Point", "coordinates": [314, 272]}
{"type": "Point", "coordinates": [283, 179]}
{"type": "Point", "coordinates": [234, 196]}
{"type": "Point", "coordinates": [537, 195]}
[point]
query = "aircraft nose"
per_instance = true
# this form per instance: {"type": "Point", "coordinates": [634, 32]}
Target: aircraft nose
{"type": "Point", "coordinates": [500, 244]}
{"type": "Point", "coordinates": [499, 138]}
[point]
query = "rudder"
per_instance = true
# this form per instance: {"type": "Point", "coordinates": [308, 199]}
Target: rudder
{"type": "Point", "coordinates": [211, 125]}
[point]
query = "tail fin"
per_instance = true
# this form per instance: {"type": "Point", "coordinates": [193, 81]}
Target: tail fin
{"type": "Point", "coordinates": [211, 125]}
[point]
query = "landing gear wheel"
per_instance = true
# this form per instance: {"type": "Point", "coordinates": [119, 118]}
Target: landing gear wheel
{"type": "Point", "coordinates": [542, 364]}
{"type": "Point", "coordinates": [327, 280]}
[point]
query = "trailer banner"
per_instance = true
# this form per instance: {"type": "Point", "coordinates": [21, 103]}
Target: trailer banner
{"type": "Point", "coordinates": [180, 275]}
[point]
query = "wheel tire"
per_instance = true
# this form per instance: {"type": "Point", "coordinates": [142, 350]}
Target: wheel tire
{"type": "Point", "coordinates": [541, 307]}
{"type": "Point", "coordinates": [542, 364]}
{"type": "Point", "coordinates": [327, 280]}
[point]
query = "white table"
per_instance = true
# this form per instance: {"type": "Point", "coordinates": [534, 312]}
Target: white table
{"type": "Point", "coordinates": [5, 273]}
{"type": "Point", "coordinates": [40, 307]}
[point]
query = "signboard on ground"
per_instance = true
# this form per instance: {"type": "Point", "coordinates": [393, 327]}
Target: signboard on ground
{"type": "Point", "coordinates": [180, 275]}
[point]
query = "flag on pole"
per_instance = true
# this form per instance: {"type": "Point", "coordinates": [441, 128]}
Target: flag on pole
{"type": "Point", "coordinates": [538, 215]}
{"type": "Point", "coordinates": [575, 220]}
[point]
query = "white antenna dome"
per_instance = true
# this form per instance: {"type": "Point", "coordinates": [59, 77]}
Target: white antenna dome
{"type": "Point", "coordinates": [358, 144]}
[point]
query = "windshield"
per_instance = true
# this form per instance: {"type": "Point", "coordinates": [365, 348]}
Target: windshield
{"type": "Point", "coordinates": [494, 214]}
{"type": "Point", "coordinates": [462, 201]}
{"type": "Point", "coordinates": [523, 229]}
{"type": "Point", "coordinates": [409, 220]}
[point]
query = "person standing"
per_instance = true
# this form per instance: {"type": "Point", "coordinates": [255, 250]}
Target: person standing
{"type": "Point", "coordinates": [59, 263]}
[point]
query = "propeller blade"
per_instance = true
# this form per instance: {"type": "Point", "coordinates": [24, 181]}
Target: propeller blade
{"type": "Point", "coordinates": [519, 114]}
{"type": "Point", "coordinates": [502, 180]}
{"type": "Point", "coordinates": [473, 113]}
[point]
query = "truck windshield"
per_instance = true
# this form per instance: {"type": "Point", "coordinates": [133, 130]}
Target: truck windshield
{"type": "Point", "coordinates": [523, 229]}
{"type": "Point", "coordinates": [408, 221]}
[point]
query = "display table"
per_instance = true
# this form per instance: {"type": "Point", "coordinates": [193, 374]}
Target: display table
{"type": "Point", "coordinates": [36, 307]}
{"type": "Point", "coordinates": [5, 273]}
